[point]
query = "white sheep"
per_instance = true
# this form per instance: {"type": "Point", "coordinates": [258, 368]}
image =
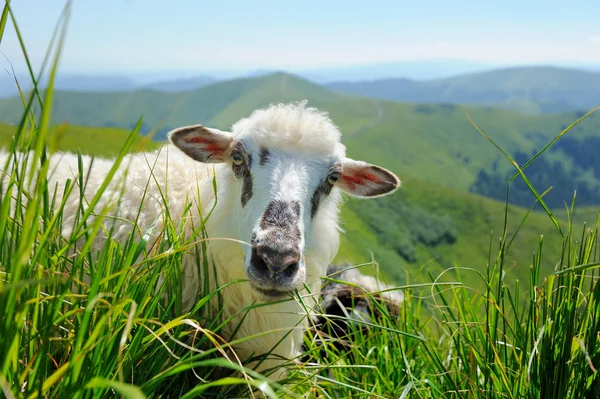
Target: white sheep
{"type": "Point", "coordinates": [280, 173]}
{"type": "Point", "coordinates": [348, 305]}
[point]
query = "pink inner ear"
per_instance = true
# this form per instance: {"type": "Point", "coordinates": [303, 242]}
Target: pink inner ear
{"type": "Point", "coordinates": [214, 149]}
{"type": "Point", "coordinates": [352, 179]}
{"type": "Point", "coordinates": [372, 177]}
{"type": "Point", "coordinates": [195, 139]}
{"type": "Point", "coordinates": [210, 146]}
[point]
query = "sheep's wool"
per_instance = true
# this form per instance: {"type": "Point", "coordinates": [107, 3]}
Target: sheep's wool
{"type": "Point", "coordinates": [292, 126]}
{"type": "Point", "coordinates": [144, 179]}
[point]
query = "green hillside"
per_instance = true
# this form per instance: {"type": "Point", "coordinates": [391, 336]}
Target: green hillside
{"type": "Point", "coordinates": [538, 90]}
{"type": "Point", "coordinates": [210, 104]}
{"type": "Point", "coordinates": [96, 141]}
{"type": "Point", "coordinates": [427, 228]}
{"type": "Point", "coordinates": [436, 143]}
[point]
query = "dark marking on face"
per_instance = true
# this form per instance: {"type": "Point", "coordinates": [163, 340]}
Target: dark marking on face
{"type": "Point", "coordinates": [264, 156]}
{"type": "Point", "coordinates": [296, 208]}
{"type": "Point", "coordinates": [296, 233]}
{"type": "Point", "coordinates": [247, 190]}
{"type": "Point", "coordinates": [243, 172]}
{"type": "Point", "coordinates": [281, 215]}
{"type": "Point", "coordinates": [323, 189]}
{"type": "Point", "coordinates": [277, 255]}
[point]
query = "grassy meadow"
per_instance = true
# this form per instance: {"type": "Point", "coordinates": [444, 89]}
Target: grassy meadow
{"type": "Point", "coordinates": [94, 141]}
{"type": "Point", "coordinates": [503, 302]}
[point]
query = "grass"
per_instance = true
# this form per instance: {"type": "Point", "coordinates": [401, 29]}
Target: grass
{"type": "Point", "coordinates": [113, 335]}
{"type": "Point", "coordinates": [412, 221]}
{"type": "Point", "coordinates": [94, 141]}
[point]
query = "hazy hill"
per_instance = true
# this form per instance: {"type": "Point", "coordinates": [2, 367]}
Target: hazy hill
{"type": "Point", "coordinates": [175, 85]}
{"type": "Point", "coordinates": [527, 89]}
{"type": "Point", "coordinates": [432, 142]}
{"type": "Point", "coordinates": [69, 82]}
{"type": "Point", "coordinates": [103, 83]}
{"type": "Point", "coordinates": [412, 69]}
{"type": "Point", "coordinates": [184, 80]}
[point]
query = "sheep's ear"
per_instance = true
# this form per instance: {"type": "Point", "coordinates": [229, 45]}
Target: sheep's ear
{"type": "Point", "coordinates": [202, 143]}
{"type": "Point", "coordinates": [361, 179]}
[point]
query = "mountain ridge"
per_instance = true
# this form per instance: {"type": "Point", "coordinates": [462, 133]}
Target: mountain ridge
{"type": "Point", "coordinates": [540, 89]}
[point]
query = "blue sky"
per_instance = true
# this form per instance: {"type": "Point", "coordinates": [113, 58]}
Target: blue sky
{"type": "Point", "coordinates": [148, 35]}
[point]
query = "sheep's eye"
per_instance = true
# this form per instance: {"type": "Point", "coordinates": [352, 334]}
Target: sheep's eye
{"type": "Point", "coordinates": [333, 178]}
{"type": "Point", "coordinates": [237, 158]}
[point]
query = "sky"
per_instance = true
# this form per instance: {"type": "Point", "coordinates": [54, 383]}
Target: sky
{"type": "Point", "coordinates": [137, 36]}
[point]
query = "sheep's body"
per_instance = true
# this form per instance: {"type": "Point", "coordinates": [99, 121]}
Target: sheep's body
{"type": "Point", "coordinates": [297, 148]}
{"type": "Point", "coordinates": [140, 182]}
{"type": "Point", "coordinates": [364, 284]}
{"type": "Point", "coordinates": [350, 301]}
{"type": "Point", "coordinates": [169, 172]}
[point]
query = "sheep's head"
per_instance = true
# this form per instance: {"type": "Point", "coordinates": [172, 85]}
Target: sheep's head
{"type": "Point", "coordinates": [289, 167]}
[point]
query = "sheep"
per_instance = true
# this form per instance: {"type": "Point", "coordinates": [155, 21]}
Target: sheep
{"type": "Point", "coordinates": [349, 300]}
{"type": "Point", "coordinates": [280, 173]}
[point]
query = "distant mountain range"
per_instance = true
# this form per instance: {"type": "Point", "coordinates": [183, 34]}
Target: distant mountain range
{"type": "Point", "coordinates": [539, 90]}
{"type": "Point", "coordinates": [102, 84]}
{"type": "Point", "coordinates": [526, 89]}
{"type": "Point", "coordinates": [417, 70]}
{"type": "Point", "coordinates": [181, 85]}
{"type": "Point", "coordinates": [68, 82]}
{"type": "Point", "coordinates": [425, 72]}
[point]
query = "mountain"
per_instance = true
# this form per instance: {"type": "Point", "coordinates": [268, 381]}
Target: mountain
{"type": "Point", "coordinates": [412, 69]}
{"type": "Point", "coordinates": [178, 85]}
{"type": "Point", "coordinates": [427, 228]}
{"type": "Point", "coordinates": [220, 103]}
{"type": "Point", "coordinates": [433, 142]}
{"type": "Point", "coordinates": [103, 83]}
{"type": "Point", "coordinates": [527, 89]}
{"type": "Point", "coordinates": [69, 82]}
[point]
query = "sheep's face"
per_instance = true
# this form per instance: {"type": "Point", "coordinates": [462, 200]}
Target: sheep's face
{"type": "Point", "coordinates": [280, 191]}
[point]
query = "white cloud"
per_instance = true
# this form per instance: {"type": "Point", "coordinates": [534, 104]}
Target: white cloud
{"type": "Point", "coordinates": [595, 39]}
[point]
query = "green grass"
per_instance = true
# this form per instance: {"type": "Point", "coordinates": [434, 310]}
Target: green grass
{"type": "Point", "coordinates": [546, 348]}
{"type": "Point", "coordinates": [476, 220]}
{"type": "Point", "coordinates": [114, 336]}
{"type": "Point", "coordinates": [95, 141]}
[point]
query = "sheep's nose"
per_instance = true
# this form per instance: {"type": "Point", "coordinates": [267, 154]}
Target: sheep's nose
{"type": "Point", "coordinates": [278, 261]}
